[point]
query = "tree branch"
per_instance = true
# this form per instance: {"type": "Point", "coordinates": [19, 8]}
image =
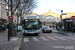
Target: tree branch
{"type": "Point", "coordinates": [16, 7]}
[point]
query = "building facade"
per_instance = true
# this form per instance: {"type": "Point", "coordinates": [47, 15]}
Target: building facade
{"type": "Point", "coordinates": [51, 17]}
{"type": "Point", "coordinates": [3, 13]}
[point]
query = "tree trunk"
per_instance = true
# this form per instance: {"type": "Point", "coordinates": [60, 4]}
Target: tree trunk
{"type": "Point", "coordinates": [17, 23]}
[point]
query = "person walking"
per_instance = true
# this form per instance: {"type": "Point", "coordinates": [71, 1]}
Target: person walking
{"type": "Point", "coordinates": [72, 30]}
{"type": "Point", "coordinates": [3, 27]}
{"type": "Point", "coordinates": [0, 28]}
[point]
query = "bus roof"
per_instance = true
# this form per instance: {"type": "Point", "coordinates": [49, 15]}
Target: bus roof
{"type": "Point", "coordinates": [31, 17]}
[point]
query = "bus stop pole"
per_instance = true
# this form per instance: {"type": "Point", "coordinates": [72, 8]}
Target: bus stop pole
{"type": "Point", "coordinates": [9, 33]}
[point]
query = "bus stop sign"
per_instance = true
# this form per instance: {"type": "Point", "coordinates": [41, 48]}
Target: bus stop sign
{"type": "Point", "coordinates": [73, 17]}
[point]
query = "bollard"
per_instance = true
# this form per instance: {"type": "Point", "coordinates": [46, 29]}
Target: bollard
{"type": "Point", "coordinates": [8, 35]}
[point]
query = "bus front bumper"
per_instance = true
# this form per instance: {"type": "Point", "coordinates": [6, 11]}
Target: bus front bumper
{"type": "Point", "coordinates": [34, 32]}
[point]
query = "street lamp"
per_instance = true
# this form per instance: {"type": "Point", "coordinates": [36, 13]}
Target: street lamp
{"type": "Point", "coordinates": [57, 12]}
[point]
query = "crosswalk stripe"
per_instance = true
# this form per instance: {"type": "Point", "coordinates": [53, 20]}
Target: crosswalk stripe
{"type": "Point", "coordinates": [14, 39]}
{"type": "Point", "coordinates": [54, 30]}
{"type": "Point", "coordinates": [68, 38]}
{"type": "Point", "coordinates": [26, 40]}
{"type": "Point", "coordinates": [60, 38]}
{"type": "Point", "coordinates": [51, 38]}
{"type": "Point", "coordinates": [43, 38]}
{"type": "Point", "coordinates": [35, 39]}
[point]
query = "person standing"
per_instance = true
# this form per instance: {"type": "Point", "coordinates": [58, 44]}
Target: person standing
{"type": "Point", "coordinates": [3, 27]}
{"type": "Point", "coordinates": [72, 30]}
{"type": "Point", "coordinates": [0, 28]}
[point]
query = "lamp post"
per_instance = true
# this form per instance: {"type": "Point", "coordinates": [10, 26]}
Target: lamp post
{"type": "Point", "coordinates": [57, 13]}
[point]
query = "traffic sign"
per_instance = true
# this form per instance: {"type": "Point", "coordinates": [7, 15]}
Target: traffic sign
{"type": "Point", "coordinates": [61, 11]}
{"type": "Point", "coordinates": [73, 17]}
{"type": "Point", "coordinates": [10, 17]}
{"type": "Point", "coordinates": [60, 16]}
{"type": "Point", "coordinates": [64, 14]}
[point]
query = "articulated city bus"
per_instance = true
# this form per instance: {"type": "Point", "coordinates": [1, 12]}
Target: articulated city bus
{"type": "Point", "coordinates": [31, 24]}
{"type": "Point", "coordinates": [68, 24]}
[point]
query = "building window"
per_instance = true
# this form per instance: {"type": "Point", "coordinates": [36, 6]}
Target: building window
{"type": "Point", "coordinates": [3, 10]}
{"type": "Point", "coordinates": [50, 17]}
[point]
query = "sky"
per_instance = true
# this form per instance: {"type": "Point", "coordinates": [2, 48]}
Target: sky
{"type": "Point", "coordinates": [55, 6]}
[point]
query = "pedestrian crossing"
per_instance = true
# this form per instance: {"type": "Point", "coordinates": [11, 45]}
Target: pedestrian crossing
{"type": "Point", "coordinates": [35, 39]}
{"type": "Point", "coordinates": [60, 38]}
{"type": "Point", "coordinates": [43, 38]}
{"type": "Point", "coordinates": [51, 38]}
{"type": "Point", "coordinates": [26, 40]}
{"type": "Point", "coordinates": [14, 39]}
{"type": "Point", "coordinates": [68, 38]}
{"type": "Point", "coordinates": [54, 30]}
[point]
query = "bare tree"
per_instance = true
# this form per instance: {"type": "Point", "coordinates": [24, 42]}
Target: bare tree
{"type": "Point", "coordinates": [22, 7]}
{"type": "Point", "coordinates": [15, 4]}
{"type": "Point", "coordinates": [26, 6]}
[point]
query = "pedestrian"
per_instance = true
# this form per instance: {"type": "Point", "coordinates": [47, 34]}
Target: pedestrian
{"type": "Point", "coordinates": [72, 30]}
{"type": "Point", "coordinates": [53, 26]}
{"type": "Point", "coordinates": [8, 27]}
{"type": "Point", "coordinates": [3, 27]}
{"type": "Point", "coordinates": [50, 26]}
{"type": "Point", "coordinates": [0, 28]}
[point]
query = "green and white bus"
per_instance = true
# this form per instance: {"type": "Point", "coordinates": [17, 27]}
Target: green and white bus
{"type": "Point", "coordinates": [31, 24]}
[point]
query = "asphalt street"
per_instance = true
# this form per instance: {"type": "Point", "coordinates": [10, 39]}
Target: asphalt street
{"type": "Point", "coordinates": [48, 41]}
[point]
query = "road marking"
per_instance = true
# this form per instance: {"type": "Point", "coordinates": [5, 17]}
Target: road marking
{"type": "Point", "coordinates": [43, 38]}
{"type": "Point", "coordinates": [35, 39]}
{"type": "Point", "coordinates": [16, 48]}
{"type": "Point", "coordinates": [60, 38]}
{"type": "Point", "coordinates": [26, 40]}
{"type": "Point", "coordinates": [14, 39]}
{"type": "Point", "coordinates": [68, 38]}
{"type": "Point", "coordinates": [51, 38]}
{"type": "Point", "coordinates": [54, 30]}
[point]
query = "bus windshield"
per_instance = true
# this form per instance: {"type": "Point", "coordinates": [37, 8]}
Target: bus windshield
{"type": "Point", "coordinates": [32, 25]}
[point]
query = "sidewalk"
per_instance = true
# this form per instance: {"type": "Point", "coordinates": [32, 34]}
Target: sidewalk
{"type": "Point", "coordinates": [64, 32]}
{"type": "Point", "coordinates": [9, 45]}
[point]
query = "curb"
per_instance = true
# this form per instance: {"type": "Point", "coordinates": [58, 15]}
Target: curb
{"type": "Point", "coordinates": [19, 44]}
{"type": "Point", "coordinates": [17, 48]}
{"type": "Point", "coordinates": [20, 48]}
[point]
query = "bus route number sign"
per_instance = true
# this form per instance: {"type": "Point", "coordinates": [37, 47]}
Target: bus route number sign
{"type": "Point", "coordinates": [32, 20]}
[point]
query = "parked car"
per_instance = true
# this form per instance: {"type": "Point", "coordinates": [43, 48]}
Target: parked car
{"type": "Point", "coordinates": [46, 29]}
